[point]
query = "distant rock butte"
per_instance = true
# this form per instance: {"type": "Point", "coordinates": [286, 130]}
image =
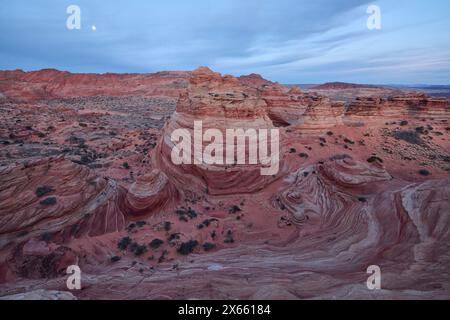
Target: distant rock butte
{"type": "Point", "coordinates": [343, 86]}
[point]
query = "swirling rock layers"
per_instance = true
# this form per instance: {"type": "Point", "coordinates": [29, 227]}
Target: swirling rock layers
{"type": "Point", "coordinates": [57, 196]}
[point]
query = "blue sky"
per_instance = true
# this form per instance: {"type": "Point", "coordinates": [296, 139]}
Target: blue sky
{"type": "Point", "coordinates": [289, 41]}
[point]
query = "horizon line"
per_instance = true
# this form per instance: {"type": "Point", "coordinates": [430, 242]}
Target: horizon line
{"type": "Point", "coordinates": [237, 76]}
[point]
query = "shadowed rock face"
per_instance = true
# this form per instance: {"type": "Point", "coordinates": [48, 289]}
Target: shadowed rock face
{"type": "Point", "coordinates": [86, 178]}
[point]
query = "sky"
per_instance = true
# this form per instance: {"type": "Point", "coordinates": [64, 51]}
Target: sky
{"type": "Point", "coordinates": [288, 41]}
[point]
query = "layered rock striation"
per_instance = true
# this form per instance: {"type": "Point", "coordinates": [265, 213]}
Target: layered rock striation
{"type": "Point", "coordinates": [220, 103]}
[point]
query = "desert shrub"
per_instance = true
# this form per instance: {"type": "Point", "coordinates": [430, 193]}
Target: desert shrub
{"type": "Point", "coordinates": [200, 226]}
{"type": "Point", "coordinates": [347, 140]}
{"type": "Point", "coordinates": [84, 160]}
{"type": "Point", "coordinates": [373, 159]}
{"type": "Point", "coordinates": [126, 165]}
{"type": "Point", "coordinates": [173, 236]}
{"type": "Point", "coordinates": [412, 137]}
{"type": "Point", "coordinates": [187, 213]}
{"type": "Point", "coordinates": [156, 243]}
{"type": "Point", "coordinates": [48, 201]}
{"type": "Point", "coordinates": [167, 225]}
{"type": "Point", "coordinates": [292, 150]}
{"type": "Point", "coordinates": [42, 191]}
{"type": "Point", "coordinates": [424, 172]}
{"type": "Point", "coordinates": [187, 247]}
{"type": "Point", "coordinates": [46, 236]}
{"type": "Point", "coordinates": [404, 123]}
{"type": "Point", "coordinates": [234, 209]}
{"type": "Point", "coordinates": [207, 246]}
{"type": "Point", "coordinates": [330, 133]}
{"type": "Point", "coordinates": [163, 256]}
{"type": "Point", "coordinates": [229, 237]}
{"type": "Point", "coordinates": [138, 249]}
{"type": "Point", "coordinates": [124, 243]}
{"type": "Point", "coordinates": [303, 155]}
{"type": "Point", "coordinates": [140, 224]}
{"type": "Point", "coordinates": [115, 258]}
{"type": "Point", "coordinates": [207, 222]}
{"type": "Point", "coordinates": [420, 130]}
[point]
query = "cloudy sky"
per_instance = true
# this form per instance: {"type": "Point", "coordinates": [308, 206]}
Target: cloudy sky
{"type": "Point", "coordinates": [289, 41]}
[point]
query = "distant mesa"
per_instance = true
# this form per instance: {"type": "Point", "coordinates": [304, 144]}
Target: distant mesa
{"type": "Point", "coordinates": [343, 86]}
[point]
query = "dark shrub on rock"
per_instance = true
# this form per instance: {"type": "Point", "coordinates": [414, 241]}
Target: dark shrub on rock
{"type": "Point", "coordinates": [187, 247]}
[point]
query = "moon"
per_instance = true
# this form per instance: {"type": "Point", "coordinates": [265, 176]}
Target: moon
{"type": "Point", "coordinates": [94, 28]}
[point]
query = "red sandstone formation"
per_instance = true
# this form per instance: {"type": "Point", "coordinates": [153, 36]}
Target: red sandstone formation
{"type": "Point", "coordinates": [284, 106]}
{"type": "Point", "coordinates": [320, 115]}
{"type": "Point", "coordinates": [87, 178]}
{"type": "Point", "coordinates": [51, 84]}
{"type": "Point", "coordinates": [413, 105]}
{"type": "Point", "coordinates": [220, 103]}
